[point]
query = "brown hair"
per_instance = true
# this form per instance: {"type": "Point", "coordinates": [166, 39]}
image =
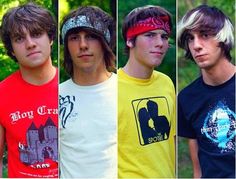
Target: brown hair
{"type": "Point", "coordinates": [210, 20]}
{"type": "Point", "coordinates": [93, 14]}
{"type": "Point", "coordinates": [141, 13]}
{"type": "Point", "coordinates": [30, 16]}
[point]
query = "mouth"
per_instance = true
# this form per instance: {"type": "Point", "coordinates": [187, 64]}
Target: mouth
{"type": "Point", "coordinates": [157, 53]}
{"type": "Point", "coordinates": [32, 53]}
{"type": "Point", "coordinates": [84, 55]}
{"type": "Point", "coordinates": [200, 55]}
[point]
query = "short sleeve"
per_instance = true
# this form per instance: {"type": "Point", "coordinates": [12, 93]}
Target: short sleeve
{"type": "Point", "coordinates": [185, 128]}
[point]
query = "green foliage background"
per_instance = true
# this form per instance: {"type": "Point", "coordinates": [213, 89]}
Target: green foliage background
{"type": "Point", "coordinates": [168, 65]}
{"type": "Point", "coordinates": [187, 72]}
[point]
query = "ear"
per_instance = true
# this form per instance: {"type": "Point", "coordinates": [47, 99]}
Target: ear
{"type": "Point", "coordinates": [51, 42]}
{"type": "Point", "coordinates": [129, 44]}
{"type": "Point", "coordinates": [13, 53]}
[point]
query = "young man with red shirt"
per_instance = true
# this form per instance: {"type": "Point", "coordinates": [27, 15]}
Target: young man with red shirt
{"type": "Point", "coordinates": [29, 97]}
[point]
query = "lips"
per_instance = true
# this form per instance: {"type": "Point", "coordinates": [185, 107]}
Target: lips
{"type": "Point", "coordinates": [84, 55]}
{"type": "Point", "coordinates": [32, 53]}
{"type": "Point", "coordinates": [199, 55]}
{"type": "Point", "coordinates": [157, 53]}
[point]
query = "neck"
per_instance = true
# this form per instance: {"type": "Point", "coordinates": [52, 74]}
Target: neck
{"type": "Point", "coordinates": [137, 70]}
{"type": "Point", "coordinates": [85, 78]}
{"type": "Point", "coordinates": [39, 75]}
{"type": "Point", "coordinates": [219, 74]}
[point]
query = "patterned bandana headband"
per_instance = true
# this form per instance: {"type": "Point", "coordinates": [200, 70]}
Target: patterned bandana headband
{"type": "Point", "coordinates": [82, 21]}
{"type": "Point", "coordinates": [149, 24]}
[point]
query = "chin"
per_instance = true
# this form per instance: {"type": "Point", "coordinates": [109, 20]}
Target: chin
{"type": "Point", "coordinates": [205, 66]}
{"type": "Point", "coordinates": [154, 65]}
{"type": "Point", "coordinates": [158, 63]}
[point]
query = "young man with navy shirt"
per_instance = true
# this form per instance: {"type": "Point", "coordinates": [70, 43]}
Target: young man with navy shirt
{"type": "Point", "coordinates": [206, 34]}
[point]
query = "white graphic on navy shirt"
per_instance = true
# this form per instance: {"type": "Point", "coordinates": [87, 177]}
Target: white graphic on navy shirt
{"type": "Point", "coordinates": [219, 126]}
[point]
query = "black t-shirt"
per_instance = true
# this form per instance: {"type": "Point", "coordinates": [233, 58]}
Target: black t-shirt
{"type": "Point", "coordinates": [207, 113]}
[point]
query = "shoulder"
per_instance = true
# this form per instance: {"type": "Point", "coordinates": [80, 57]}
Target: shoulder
{"type": "Point", "coordinates": [191, 89]}
{"type": "Point", "coordinates": [161, 77]}
{"type": "Point", "coordinates": [121, 74]}
{"type": "Point", "coordinates": [113, 76]}
{"type": "Point", "coordinates": [112, 81]}
{"type": "Point", "coordinates": [66, 85]}
{"type": "Point", "coordinates": [10, 81]}
{"type": "Point", "coordinates": [124, 78]}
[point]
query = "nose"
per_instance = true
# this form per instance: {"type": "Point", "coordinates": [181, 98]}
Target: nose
{"type": "Point", "coordinates": [30, 43]}
{"type": "Point", "coordinates": [83, 44]}
{"type": "Point", "coordinates": [197, 44]}
{"type": "Point", "coordinates": [159, 41]}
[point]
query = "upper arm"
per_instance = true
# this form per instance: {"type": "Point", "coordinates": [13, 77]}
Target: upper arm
{"type": "Point", "coordinates": [193, 149]}
{"type": "Point", "coordinates": [2, 138]}
{"type": "Point", "coordinates": [185, 128]}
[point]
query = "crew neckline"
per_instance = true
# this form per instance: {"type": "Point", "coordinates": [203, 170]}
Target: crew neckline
{"type": "Point", "coordinates": [220, 85]}
{"type": "Point", "coordinates": [135, 80]}
{"type": "Point", "coordinates": [95, 86]}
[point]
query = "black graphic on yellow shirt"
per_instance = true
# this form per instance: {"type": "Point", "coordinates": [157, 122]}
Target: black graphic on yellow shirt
{"type": "Point", "coordinates": [151, 116]}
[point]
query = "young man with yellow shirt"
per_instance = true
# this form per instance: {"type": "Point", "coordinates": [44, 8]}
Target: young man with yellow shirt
{"type": "Point", "coordinates": [146, 98]}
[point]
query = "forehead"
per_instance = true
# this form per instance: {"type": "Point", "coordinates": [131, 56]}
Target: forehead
{"type": "Point", "coordinates": [22, 31]}
{"type": "Point", "coordinates": [193, 32]}
{"type": "Point", "coordinates": [197, 32]}
{"type": "Point", "coordinates": [83, 30]}
{"type": "Point", "coordinates": [157, 31]}
{"type": "Point", "coordinates": [80, 32]}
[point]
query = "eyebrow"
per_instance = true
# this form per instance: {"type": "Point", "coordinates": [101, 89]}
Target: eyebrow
{"type": "Point", "coordinates": [16, 35]}
{"type": "Point", "coordinates": [189, 33]}
{"type": "Point", "coordinates": [160, 32]}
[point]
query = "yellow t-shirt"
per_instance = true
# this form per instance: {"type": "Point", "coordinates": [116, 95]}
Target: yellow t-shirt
{"type": "Point", "coordinates": [146, 126]}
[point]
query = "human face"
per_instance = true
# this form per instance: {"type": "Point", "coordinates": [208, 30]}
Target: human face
{"type": "Point", "coordinates": [150, 48]}
{"type": "Point", "coordinates": [86, 52]}
{"type": "Point", "coordinates": [31, 50]}
{"type": "Point", "coordinates": [205, 49]}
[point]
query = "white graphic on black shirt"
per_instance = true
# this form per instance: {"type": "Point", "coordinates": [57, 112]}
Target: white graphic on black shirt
{"type": "Point", "coordinates": [219, 126]}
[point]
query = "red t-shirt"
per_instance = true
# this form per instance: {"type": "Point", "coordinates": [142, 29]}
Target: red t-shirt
{"type": "Point", "coordinates": [29, 115]}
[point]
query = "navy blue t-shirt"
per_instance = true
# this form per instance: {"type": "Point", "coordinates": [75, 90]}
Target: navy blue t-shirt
{"type": "Point", "coordinates": [207, 113]}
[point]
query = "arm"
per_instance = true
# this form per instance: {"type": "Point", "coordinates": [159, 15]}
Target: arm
{"type": "Point", "coordinates": [175, 156]}
{"type": "Point", "coordinates": [2, 136]}
{"type": "Point", "coordinates": [193, 149]}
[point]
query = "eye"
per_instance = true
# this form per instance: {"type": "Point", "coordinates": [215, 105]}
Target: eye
{"type": "Point", "coordinates": [37, 34]}
{"type": "Point", "coordinates": [91, 37]}
{"type": "Point", "coordinates": [164, 36]}
{"type": "Point", "coordinates": [73, 37]}
{"type": "Point", "coordinates": [149, 35]}
{"type": "Point", "coordinates": [205, 35]}
{"type": "Point", "coordinates": [189, 38]}
{"type": "Point", "coordinates": [18, 39]}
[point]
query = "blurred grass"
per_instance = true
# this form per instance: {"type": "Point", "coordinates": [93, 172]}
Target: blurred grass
{"type": "Point", "coordinates": [184, 161]}
{"type": "Point", "coordinates": [4, 173]}
{"type": "Point", "coordinates": [187, 72]}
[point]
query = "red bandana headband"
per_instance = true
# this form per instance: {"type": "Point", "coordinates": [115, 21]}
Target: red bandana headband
{"type": "Point", "coordinates": [149, 24]}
